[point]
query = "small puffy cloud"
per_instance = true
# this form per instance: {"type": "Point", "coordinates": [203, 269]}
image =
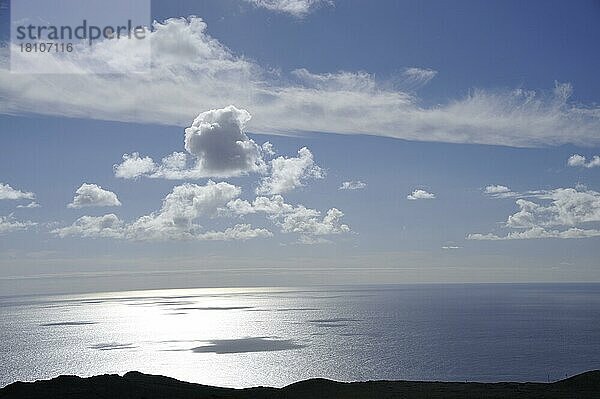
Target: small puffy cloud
{"type": "Point", "coordinates": [558, 213]}
{"type": "Point", "coordinates": [216, 146]}
{"type": "Point", "coordinates": [451, 247]}
{"type": "Point", "coordinates": [9, 193]}
{"type": "Point", "coordinates": [576, 160]}
{"type": "Point", "coordinates": [352, 185]}
{"type": "Point", "coordinates": [496, 189]}
{"type": "Point", "coordinates": [9, 224]}
{"type": "Point", "coordinates": [420, 195]}
{"type": "Point", "coordinates": [32, 204]}
{"type": "Point", "coordinates": [499, 191]}
{"type": "Point", "coordinates": [293, 219]}
{"type": "Point", "coordinates": [239, 232]}
{"type": "Point", "coordinates": [93, 195]}
{"type": "Point", "coordinates": [296, 8]}
{"type": "Point", "coordinates": [307, 222]}
{"type": "Point", "coordinates": [580, 160]}
{"type": "Point", "coordinates": [134, 166]}
{"type": "Point", "coordinates": [288, 173]}
{"type": "Point", "coordinates": [107, 226]}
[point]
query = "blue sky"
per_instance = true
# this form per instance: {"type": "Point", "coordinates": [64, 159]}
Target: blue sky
{"type": "Point", "coordinates": [479, 105]}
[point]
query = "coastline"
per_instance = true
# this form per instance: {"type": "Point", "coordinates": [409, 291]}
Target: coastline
{"type": "Point", "coordinates": [135, 385]}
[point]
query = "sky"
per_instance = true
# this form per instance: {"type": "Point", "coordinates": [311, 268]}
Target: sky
{"type": "Point", "coordinates": [296, 142]}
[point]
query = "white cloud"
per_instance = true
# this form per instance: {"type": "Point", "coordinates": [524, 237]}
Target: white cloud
{"type": "Point", "coordinates": [567, 207]}
{"type": "Point", "coordinates": [451, 247]}
{"type": "Point", "coordinates": [297, 8]}
{"type": "Point", "coordinates": [134, 166]}
{"type": "Point", "coordinates": [496, 189]}
{"type": "Point", "coordinates": [267, 149]}
{"type": "Point", "coordinates": [352, 185]}
{"type": "Point", "coordinates": [176, 220]}
{"type": "Point", "coordinates": [558, 213]}
{"type": "Point", "coordinates": [192, 71]}
{"type": "Point", "coordinates": [308, 222]}
{"type": "Point", "coordinates": [499, 191]}
{"type": "Point", "coordinates": [180, 209]}
{"type": "Point", "coordinates": [274, 205]}
{"type": "Point", "coordinates": [420, 195]}
{"type": "Point", "coordinates": [293, 219]}
{"type": "Point", "coordinates": [580, 160]}
{"type": "Point", "coordinates": [215, 142]}
{"type": "Point", "coordinates": [107, 226]}
{"type": "Point", "coordinates": [32, 204]}
{"type": "Point", "coordinates": [416, 77]}
{"type": "Point", "coordinates": [187, 203]}
{"type": "Point", "coordinates": [9, 224]}
{"type": "Point", "coordinates": [239, 232]}
{"type": "Point", "coordinates": [93, 195]}
{"type": "Point", "coordinates": [312, 240]}
{"type": "Point", "coordinates": [287, 174]}
{"type": "Point", "coordinates": [9, 193]}
{"type": "Point", "coordinates": [339, 81]}
{"type": "Point", "coordinates": [537, 233]}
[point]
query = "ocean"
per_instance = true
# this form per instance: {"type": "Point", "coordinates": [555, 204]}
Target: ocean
{"type": "Point", "coordinates": [275, 336]}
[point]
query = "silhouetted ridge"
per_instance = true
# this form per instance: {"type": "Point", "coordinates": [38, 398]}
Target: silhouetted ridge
{"type": "Point", "coordinates": [135, 385]}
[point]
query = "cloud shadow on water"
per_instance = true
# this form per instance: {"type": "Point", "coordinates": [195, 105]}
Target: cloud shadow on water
{"type": "Point", "coordinates": [68, 323]}
{"type": "Point", "coordinates": [247, 345]}
{"type": "Point", "coordinates": [110, 346]}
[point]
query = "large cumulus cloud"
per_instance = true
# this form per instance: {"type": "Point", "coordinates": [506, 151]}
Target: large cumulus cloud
{"type": "Point", "coordinates": [216, 146]}
{"type": "Point", "coordinates": [217, 139]}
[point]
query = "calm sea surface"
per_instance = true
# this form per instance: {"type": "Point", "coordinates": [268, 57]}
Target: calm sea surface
{"type": "Point", "coordinates": [269, 336]}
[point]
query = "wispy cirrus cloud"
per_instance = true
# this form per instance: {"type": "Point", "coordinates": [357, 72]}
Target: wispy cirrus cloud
{"type": "Point", "coordinates": [193, 71]}
{"type": "Point", "coordinates": [30, 205]}
{"type": "Point", "coordinates": [499, 191]}
{"type": "Point", "coordinates": [417, 77]}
